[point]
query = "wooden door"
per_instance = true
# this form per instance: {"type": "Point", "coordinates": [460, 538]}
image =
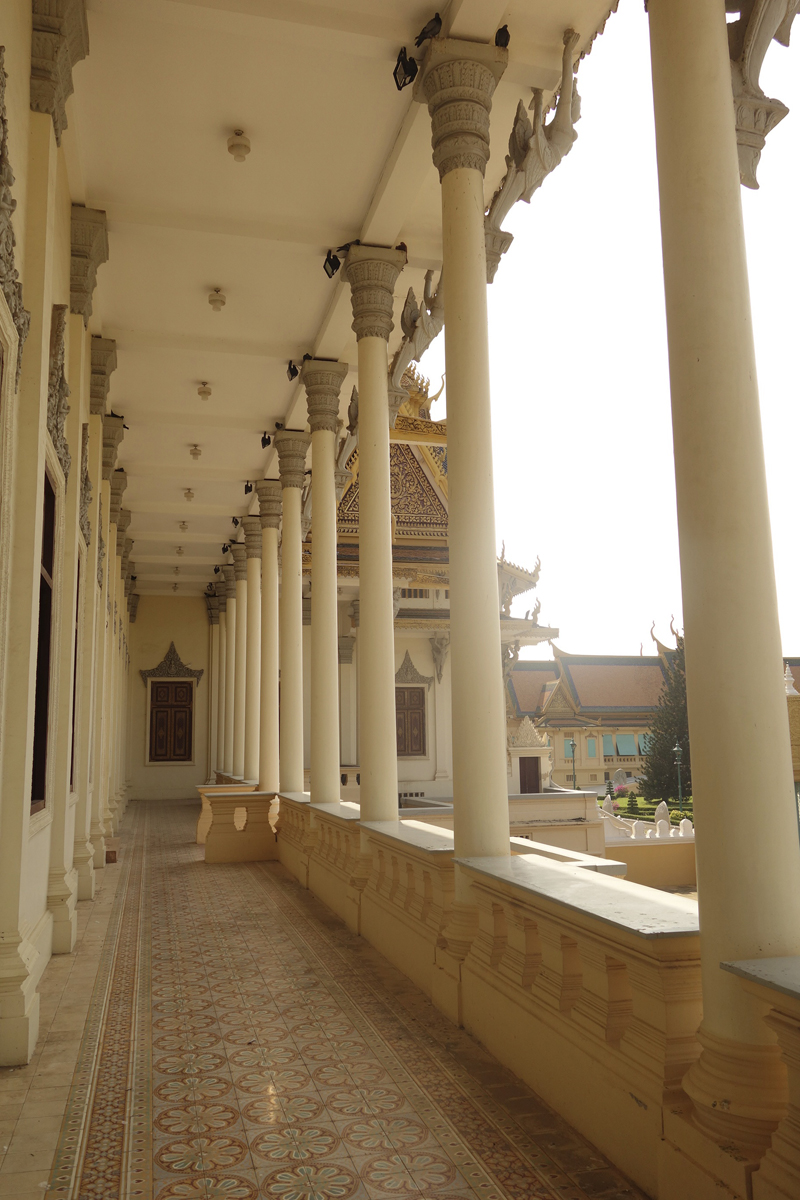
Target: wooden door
{"type": "Point", "coordinates": [529, 775]}
{"type": "Point", "coordinates": [171, 705]}
{"type": "Point", "coordinates": [410, 714]}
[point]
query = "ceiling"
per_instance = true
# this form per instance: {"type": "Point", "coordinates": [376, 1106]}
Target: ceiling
{"type": "Point", "coordinates": [337, 153]}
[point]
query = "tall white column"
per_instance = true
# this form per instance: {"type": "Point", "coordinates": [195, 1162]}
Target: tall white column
{"type": "Point", "coordinates": [323, 380]}
{"type": "Point", "coordinates": [269, 498]}
{"type": "Point", "coordinates": [372, 273]}
{"type": "Point", "coordinates": [240, 649]}
{"type": "Point", "coordinates": [748, 871]}
{"type": "Point", "coordinates": [252, 721]}
{"type": "Point", "coordinates": [230, 665]}
{"type": "Point", "coordinates": [457, 82]}
{"type": "Point", "coordinates": [292, 448]}
{"type": "Point", "coordinates": [223, 646]}
{"type": "Point", "coordinates": [212, 603]}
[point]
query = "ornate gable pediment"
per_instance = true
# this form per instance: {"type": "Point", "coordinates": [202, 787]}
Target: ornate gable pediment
{"type": "Point", "coordinates": [559, 702]}
{"type": "Point", "coordinates": [407, 675]}
{"type": "Point", "coordinates": [171, 667]}
{"type": "Point", "coordinates": [417, 508]}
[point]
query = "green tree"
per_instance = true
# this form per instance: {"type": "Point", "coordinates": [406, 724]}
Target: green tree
{"type": "Point", "coordinates": [670, 728]}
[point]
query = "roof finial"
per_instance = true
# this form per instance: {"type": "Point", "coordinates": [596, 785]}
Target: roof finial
{"type": "Point", "coordinates": [788, 679]}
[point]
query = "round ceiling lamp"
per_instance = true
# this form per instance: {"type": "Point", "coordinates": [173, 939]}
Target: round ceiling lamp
{"type": "Point", "coordinates": [204, 391]}
{"type": "Point", "coordinates": [217, 299]}
{"type": "Point", "coordinates": [195, 451]}
{"type": "Point", "coordinates": [188, 494]}
{"type": "Point", "coordinates": [239, 145]}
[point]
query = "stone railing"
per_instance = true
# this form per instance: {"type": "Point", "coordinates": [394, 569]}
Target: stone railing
{"type": "Point", "coordinates": [241, 829]}
{"type": "Point", "coordinates": [619, 828]}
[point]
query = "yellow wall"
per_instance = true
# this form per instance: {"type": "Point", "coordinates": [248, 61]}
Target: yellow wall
{"type": "Point", "coordinates": [159, 621]}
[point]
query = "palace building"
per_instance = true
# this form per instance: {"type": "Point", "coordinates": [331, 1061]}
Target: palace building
{"type": "Point", "coordinates": [298, 898]}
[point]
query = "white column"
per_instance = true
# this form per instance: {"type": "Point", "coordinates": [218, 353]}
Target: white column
{"type": "Point", "coordinates": [240, 649]}
{"type": "Point", "coordinates": [372, 272]}
{"type": "Point", "coordinates": [212, 603]}
{"type": "Point", "coordinates": [230, 665]}
{"type": "Point", "coordinates": [292, 448]}
{"type": "Point", "coordinates": [748, 869]}
{"type": "Point", "coordinates": [252, 717]}
{"type": "Point", "coordinates": [221, 676]}
{"type": "Point", "coordinates": [457, 82]}
{"type": "Point", "coordinates": [269, 498]}
{"type": "Point", "coordinates": [323, 380]}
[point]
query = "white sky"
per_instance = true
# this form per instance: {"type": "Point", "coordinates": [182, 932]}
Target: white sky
{"type": "Point", "coordinates": [580, 390]}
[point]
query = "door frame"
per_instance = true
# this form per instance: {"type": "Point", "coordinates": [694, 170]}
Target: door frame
{"type": "Point", "coordinates": [169, 679]}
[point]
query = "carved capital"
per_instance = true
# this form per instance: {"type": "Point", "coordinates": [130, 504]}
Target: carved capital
{"type": "Point", "coordinates": [59, 40]}
{"type": "Point", "coordinates": [323, 381]}
{"type": "Point", "coordinates": [457, 82]}
{"type": "Point", "coordinates": [240, 556]}
{"type": "Point", "coordinates": [497, 242]}
{"type": "Point", "coordinates": [123, 521]}
{"type": "Point", "coordinates": [58, 388]}
{"type": "Point", "coordinates": [113, 434]}
{"type": "Point", "coordinates": [118, 482]}
{"type": "Point", "coordinates": [212, 604]}
{"type": "Point", "coordinates": [269, 500]}
{"type": "Point", "coordinates": [397, 398]}
{"type": "Point", "coordinates": [292, 447]}
{"type": "Point", "coordinates": [372, 273]}
{"type": "Point", "coordinates": [230, 580]}
{"type": "Point", "coordinates": [133, 605]}
{"type": "Point", "coordinates": [104, 361]}
{"type": "Point", "coordinates": [252, 536]}
{"type": "Point", "coordinates": [89, 249]}
{"type": "Point", "coordinates": [222, 596]}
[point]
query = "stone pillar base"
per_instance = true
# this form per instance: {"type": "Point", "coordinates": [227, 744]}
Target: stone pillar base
{"type": "Point", "coordinates": [83, 859]}
{"type": "Point", "coordinates": [62, 896]}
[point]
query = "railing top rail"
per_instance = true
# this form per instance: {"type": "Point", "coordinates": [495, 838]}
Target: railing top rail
{"type": "Point", "coordinates": [781, 974]}
{"type": "Point", "coordinates": [414, 833]}
{"type": "Point", "coordinates": [346, 809]}
{"type": "Point", "coordinates": [296, 797]}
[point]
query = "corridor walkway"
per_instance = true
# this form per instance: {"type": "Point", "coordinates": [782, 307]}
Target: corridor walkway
{"type": "Point", "coordinates": [241, 1043]}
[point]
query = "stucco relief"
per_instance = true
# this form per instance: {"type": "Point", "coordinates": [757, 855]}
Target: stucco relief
{"type": "Point", "coordinates": [171, 667]}
{"type": "Point", "coordinates": [58, 389]}
{"type": "Point", "coordinates": [9, 277]}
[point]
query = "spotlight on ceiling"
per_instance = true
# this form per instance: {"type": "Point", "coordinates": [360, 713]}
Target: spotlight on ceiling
{"type": "Point", "coordinates": [216, 570]}
{"type": "Point", "coordinates": [195, 451]}
{"type": "Point", "coordinates": [331, 264]}
{"type": "Point", "coordinates": [174, 587]}
{"type": "Point", "coordinates": [204, 391]}
{"type": "Point", "coordinates": [217, 299]}
{"type": "Point", "coordinates": [405, 70]}
{"type": "Point", "coordinates": [225, 548]}
{"type": "Point", "coordinates": [239, 145]}
{"type": "Point", "coordinates": [278, 425]}
{"type": "Point", "coordinates": [176, 570]}
{"type": "Point", "coordinates": [179, 550]}
{"type": "Point", "coordinates": [188, 494]}
{"type": "Point", "coordinates": [292, 371]}
{"type": "Point", "coordinates": [235, 522]}
{"type": "Point", "coordinates": [248, 487]}
{"type": "Point", "coordinates": [134, 578]}
{"type": "Point", "coordinates": [183, 526]}
{"type": "Point", "coordinates": [265, 440]}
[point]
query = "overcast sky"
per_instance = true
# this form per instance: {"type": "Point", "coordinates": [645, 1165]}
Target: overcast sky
{"type": "Point", "coordinates": [580, 391]}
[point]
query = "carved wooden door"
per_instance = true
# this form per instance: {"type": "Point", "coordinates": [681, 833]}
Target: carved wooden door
{"type": "Point", "coordinates": [171, 703]}
{"type": "Point", "coordinates": [410, 715]}
{"type": "Point", "coordinates": [529, 775]}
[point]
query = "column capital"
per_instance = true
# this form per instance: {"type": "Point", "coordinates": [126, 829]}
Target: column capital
{"type": "Point", "coordinates": [269, 499]}
{"type": "Point", "coordinates": [457, 81]}
{"type": "Point", "coordinates": [212, 604]}
{"type": "Point", "coordinates": [372, 273]}
{"type": "Point", "coordinates": [292, 446]}
{"type": "Point", "coordinates": [89, 235]}
{"type": "Point", "coordinates": [323, 379]}
{"type": "Point", "coordinates": [230, 581]}
{"type": "Point", "coordinates": [252, 536]}
{"type": "Point", "coordinates": [222, 596]}
{"type": "Point", "coordinates": [118, 481]}
{"type": "Point", "coordinates": [113, 433]}
{"type": "Point", "coordinates": [60, 39]}
{"type": "Point", "coordinates": [104, 362]}
{"type": "Point", "coordinates": [239, 552]}
{"type": "Point", "coordinates": [123, 521]}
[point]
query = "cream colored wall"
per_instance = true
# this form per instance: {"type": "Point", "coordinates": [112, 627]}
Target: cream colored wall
{"type": "Point", "coordinates": [159, 621]}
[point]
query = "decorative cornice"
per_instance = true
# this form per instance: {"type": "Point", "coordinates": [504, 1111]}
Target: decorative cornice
{"type": "Point", "coordinates": [171, 667]}
{"type": "Point", "coordinates": [269, 500]}
{"type": "Point", "coordinates": [123, 521]}
{"type": "Point", "coordinates": [85, 500]}
{"type": "Point", "coordinates": [133, 604]}
{"type": "Point", "coordinates": [89, 237]}
{"type": "Point", "coordinates": [323, 381]}
{"type": "Point", "coordinates": [113, 433]}
{"type": "Point", "coordinates": [252, 536]}
{"type": "Point", "coordinates": [212, 604]}
{"type": "Point", "coordinates": [372, 272]}
{"type": "Point", "coordinates": [292, 447]}
{"type": "Point", "coordinates": [408, 676]}
{"type": "Point", "coordinates": [457, 82]}
{"type": "Point", "coordinates": [118, 481]}
{"type": "Point", "coordinates": [60, 39]}
{"type": "Point", "coordinates": [104, 361]}
{"type": "Point", "coordinates": [230, 580]}
{"type": "Point", "coordinates": [58, 388]}
{"type": "Point", "coordinates": [9, 276]}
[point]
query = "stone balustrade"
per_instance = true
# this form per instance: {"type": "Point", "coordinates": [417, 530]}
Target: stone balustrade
{"type": "Point", "coordinates": [241, 828]}
{"type": "Point", "coordinates": [205, 792]}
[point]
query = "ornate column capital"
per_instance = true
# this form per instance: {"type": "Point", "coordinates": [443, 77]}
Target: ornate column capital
{"type": "Point", "coordinates": [457, 82]}
{"type": "Point", "coordinates": [119, 481]}
{"type": "Point", "coordinates": [292, 446]}
{"type": "Point", "coordinates": [113, 433]}
{"type": "Point", "coordinates": [323, 381]}
{"type": "Point", "coordinates": [212, 604]}
{"type": "Point", "coordinates": [269, 499]}
{"type": "Point", "coordinates": [252, 536]}
{"type": "Point", "coordinates": [372, 273]}
{"type": "Point", "coordinates": [123, 521]}
{"type": "Point", "coordinates": [240, 556]}
{"type": "Point", "coordinates": [104, 361]}
{"type": "Point", "coordinates": [222, 596]}
{"type": "Point", "coordinates": [230, 581]}
{"type": "Point", "coordinates": [89, 249]}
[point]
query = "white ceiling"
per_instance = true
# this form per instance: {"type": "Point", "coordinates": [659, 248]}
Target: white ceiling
{"type": "Point", "coordinates": [337, 153]}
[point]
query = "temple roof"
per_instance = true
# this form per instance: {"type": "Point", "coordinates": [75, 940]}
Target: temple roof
{"type": "Point", "coordinates": [589, 686]}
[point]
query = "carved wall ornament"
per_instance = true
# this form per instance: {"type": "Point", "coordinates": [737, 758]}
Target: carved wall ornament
{"type": "Point", "coordinates": [421, 324]}
{"type": "Point", "coordinates": [9, 277]}
{"type": "Point", "coordinates": [760, 23]}
{"type": "Point", "coordinates": [171, 667]}
{"type": "Point", "coordinates": [323, 381]}
{"type": "Point", "coordinates": [101, 546]}
{"type": "Point", "coordinates": [417, 508]}
{"type": "Point", "coordinates": [58, 388]}
{"type": "Point", "coordinates": [397, 594]}
{"type": "Point", "coordinates": [292, 447]}
{"type": "Point", "coordinates": [86, 488]}
{"type": "Point", "coordinates": [457, 82]}
{"type": "Point", "coordinates": [440, 645]}
{"type": "Point", "coordinates": [104, 361]}
{"type": "Point", "coordinates": [60, 39]}
{"type": "Point", "coordinates": [89, 237]}
{"type": "Point", "coordinates": [527, 735]}
{"type": "Point", "coordinates": [407, 675]}
{"type": "Point", "coordinates": [372, 272]}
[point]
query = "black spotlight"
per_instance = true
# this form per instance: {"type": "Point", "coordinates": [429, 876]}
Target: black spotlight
{"type": "Point", "coordinates": [225, 548]}
{"type": "Point", "coordinates": [265, 440]}
{"type": "Point", "coordinates": [278, 425]}
{"type": "Point", "coordinates": [216, 570]}
{"type": "Point", "coordinates": [235, 522]}
{"type": "Point", "coordinates": [331, 264]}
{"type": "Point", "coordinates": [292, 371]}
{"type": "Point", "coordinates": [134, 578]}
{"type": "Point", "coordinates": [248, 487]}
{"type": "Point", "coordinates": [405, 70]}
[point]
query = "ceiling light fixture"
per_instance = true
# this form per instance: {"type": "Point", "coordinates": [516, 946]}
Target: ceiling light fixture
{"type": "Point", "coordinates": [239, 145]}
{"type": "Point", "coordinates": [225, 548]}
{"type": "Point", "coordinates": [176, 570]}
{"type": "Point", "coordinates": [188, 494]}
{"type": "Point", "coordinates": [183, 526]}
{"type": "Point", "coordinates": [174, 587]}
{"type": "Point", "coordinates": [331, 264]}
{"type": "Point", "coordinates": [292, 371]}
{"type": "Point", "coordinates": [216, 570]}
{"type": "Point", "coordinates": [179, 549]}
{"type": "Point", "coordinates": [265, 440]}
{"type": "Point", "coordinates": [195, 451]}
{"type": "Point", "coordinates": [217, 299]}
{"type": "Point", "coordinates": [405, 70]}
{"type": "Point", "coordinates": [204, 391]}
{"type": "Point", "coordinates": [235, 522]}
{"type": "Point", "coordinates": [248, 487]}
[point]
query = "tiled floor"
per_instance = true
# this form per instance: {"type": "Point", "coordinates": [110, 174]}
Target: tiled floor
{"type": "Point", "coordinates": [241, 1043]}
